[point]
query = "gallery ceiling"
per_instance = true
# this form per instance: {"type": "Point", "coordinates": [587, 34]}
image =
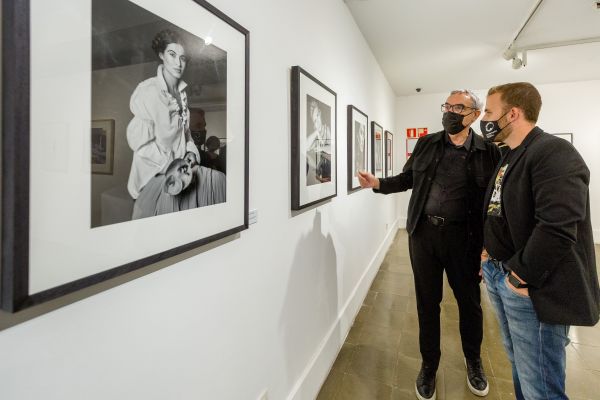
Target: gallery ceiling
{"type": "Point", "coordinates": [443, 45]}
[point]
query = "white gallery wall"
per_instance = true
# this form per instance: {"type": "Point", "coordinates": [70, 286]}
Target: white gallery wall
{"type": "Point", "coordinates": [570, 107]}
{"type": "Point", "coordinates": [267, 310]}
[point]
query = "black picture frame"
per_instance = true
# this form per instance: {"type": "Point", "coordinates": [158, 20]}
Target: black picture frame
{"type": "Point", "coordinates": [376, 128]}
{"type": "Point", "coordinates": [299, 183]}
{"type": "Point", "coordinates": [350, 147]}
{"type": "Point", "coordinates": [389, 154]}
{"type": "Point", "coordinates": [16, 141]}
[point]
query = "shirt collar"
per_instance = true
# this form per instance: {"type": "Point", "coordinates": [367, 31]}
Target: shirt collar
{"type": "Point", "coordinates": [466, 144]}
{"type": "Point", "coordinates": [163, 84]}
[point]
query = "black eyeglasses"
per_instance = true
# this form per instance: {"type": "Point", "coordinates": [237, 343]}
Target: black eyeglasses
{"type": "Point", "coordinates": [456, 108]}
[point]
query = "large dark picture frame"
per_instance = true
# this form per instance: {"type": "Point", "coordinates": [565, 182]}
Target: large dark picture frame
{"type": "Point", "coordinates": [313, 141]}
{"type": "Point", "coordinates": [34, 245]}
{"type": "Point", "coordinates": [377, 150]}
{"type": "Point", "coordinates": [357, 158]}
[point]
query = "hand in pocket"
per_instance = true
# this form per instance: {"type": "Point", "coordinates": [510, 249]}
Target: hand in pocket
{"type": "Point", "coordinates": [519, 291]}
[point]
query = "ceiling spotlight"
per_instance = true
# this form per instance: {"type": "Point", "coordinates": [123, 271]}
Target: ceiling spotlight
{"type": "Point", "coordinates": [519, 62]}
{"type": "Point", "coordinates": [509, 54]}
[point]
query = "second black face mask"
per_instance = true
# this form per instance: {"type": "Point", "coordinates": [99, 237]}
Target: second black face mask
{"type": "Point", "coordinates": [491, 129]}
{"type": "Point", "coordinates": [452, 123]}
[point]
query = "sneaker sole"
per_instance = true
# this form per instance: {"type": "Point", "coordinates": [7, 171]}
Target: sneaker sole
{"type": "Point", "coordinates": [480, 393]}
{"type": "Point", "coordinates": [424, 398]}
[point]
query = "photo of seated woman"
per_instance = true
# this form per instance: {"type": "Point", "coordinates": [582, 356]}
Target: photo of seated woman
{"type": "Point", "coordinates": [163, 91]}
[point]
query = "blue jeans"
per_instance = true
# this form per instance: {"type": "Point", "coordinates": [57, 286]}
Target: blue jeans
{"type": "Point", "coordinates": [536, 350]}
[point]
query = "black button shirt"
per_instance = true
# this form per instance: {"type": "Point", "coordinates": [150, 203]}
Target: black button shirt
{"type": "Point", "coordinates": [448, 193]}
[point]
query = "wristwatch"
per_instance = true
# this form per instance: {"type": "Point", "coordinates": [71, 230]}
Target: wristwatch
{"type": "Point", "coordinates": [515, 282]}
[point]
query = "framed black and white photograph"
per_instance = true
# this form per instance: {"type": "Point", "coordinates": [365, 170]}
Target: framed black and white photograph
{"type": "Point", "coordinates": [314, 133]}
{"type": "Point", "coordinates": [389, 154]}
{"type": "Point", "coordinates": [157, 93]}
{"type": "Point", "coordinates": [377, 153]}
{"type": "Point", "coordinates": [411, 143]}
{"type": "Point", "coordinates": [358, 147]}
{"type": "Point", "coordinates": [103, 146]}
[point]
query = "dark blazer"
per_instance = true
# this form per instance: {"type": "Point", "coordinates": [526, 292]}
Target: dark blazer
{"type": "Point", "coordinates": [546, 203]}
{"type": "Point", "coordinates": [419, 171]}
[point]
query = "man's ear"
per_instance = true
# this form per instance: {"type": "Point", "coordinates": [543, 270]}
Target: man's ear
{"type": "Point", "coordinates": [173, 186]}
{"type": "Point", "coordinates": [515, 112]}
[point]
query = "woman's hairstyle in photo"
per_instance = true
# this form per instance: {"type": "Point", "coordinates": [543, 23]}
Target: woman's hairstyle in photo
{"type": "Point", "coordinates": [164, 38]}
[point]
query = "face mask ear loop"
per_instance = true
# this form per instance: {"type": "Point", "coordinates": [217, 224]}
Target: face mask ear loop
{"type": "Point", "coordinates": [463, 120]}
{"type": "Point", "coordinates": [503, 117]}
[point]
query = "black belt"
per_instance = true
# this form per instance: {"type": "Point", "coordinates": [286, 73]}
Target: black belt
{"type": "Point", "coordinates": [440, 221]}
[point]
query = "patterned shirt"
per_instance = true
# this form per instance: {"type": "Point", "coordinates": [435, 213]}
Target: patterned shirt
{"type": "Point", "coordinates": [496, 233]}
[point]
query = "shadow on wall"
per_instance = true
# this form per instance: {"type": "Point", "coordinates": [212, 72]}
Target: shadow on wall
{"type": "Point", "coordinates": [311, 303]}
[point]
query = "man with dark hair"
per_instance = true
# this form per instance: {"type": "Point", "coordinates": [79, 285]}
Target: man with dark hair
{"type": "Point", "coordinates": [541, 271]}
{"type": "Point", "coordinates": [198, 127]}
{"type": "Point", "coordinates": [210, 158]}
{"type": "Point", "coordinates": [448, 173]}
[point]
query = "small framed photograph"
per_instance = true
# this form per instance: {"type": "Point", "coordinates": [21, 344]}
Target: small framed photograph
{"type": "Point", "coordinates": [358, 147]}
{"type": "Point", "coordinates": [567, 136]}
{"type": "Point", "coordinates": [377, 147]}
{"type": "Point", "coordinates": [389, 154]}
{"type": "Point", "coordinates": [173, 79]}
{"type": "Point", "coordinates": [314, 133]}
{"type": "Point", "coordinates": [103, 146]}
{"type": "Point", "coordinates": [411, 143]}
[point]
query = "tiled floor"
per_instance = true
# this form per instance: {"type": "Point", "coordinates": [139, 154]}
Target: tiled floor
{"type": "Point", "coordinates": [380, 358]}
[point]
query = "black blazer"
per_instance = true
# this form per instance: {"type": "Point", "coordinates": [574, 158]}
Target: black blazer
{"type": "Point", "coordinates": [419, 171]}
{"type": "Point", "coordinates": [546, 203]}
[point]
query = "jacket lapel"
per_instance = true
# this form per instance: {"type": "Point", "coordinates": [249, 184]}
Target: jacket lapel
{"type": "Point", "coordinates": [478, 142]}
{"type": "Point", "coordinates": [535, 132]}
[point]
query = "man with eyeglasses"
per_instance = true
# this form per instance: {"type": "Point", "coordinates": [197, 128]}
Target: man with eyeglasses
{"type": "Point", "coordinates": [448, 173]}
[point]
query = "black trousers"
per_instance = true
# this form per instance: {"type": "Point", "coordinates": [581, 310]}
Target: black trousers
{"type": "Point", "coordinates": [433, 250]}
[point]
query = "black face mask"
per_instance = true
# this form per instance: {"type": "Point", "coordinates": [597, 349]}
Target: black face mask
{"type": "Point", "coordinates": [453, 122]}
{"type": "Point", "coordinates": [491, 129]}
